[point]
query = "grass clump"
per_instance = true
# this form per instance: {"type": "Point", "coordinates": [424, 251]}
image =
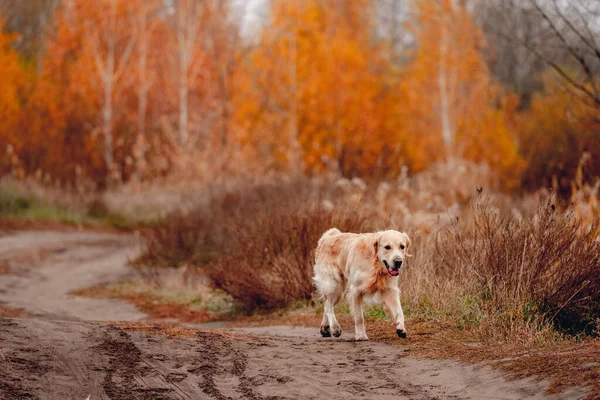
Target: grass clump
{"type": "Point", "coordinates": [21, 201]}
{"type": "Point", "coordinates": [502, 269]}
{"type": "Point", "coordinates": [256, 243]}
{"type": "Point", "coordinates": [161, 302]}
{"type": "Point", "coordinates": [545, 267]}
{"type": "Point", "coordinates": [17, 203]}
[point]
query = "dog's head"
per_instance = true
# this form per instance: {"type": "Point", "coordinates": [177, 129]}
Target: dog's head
{"type": "Point", "coordinates": [391, 249]}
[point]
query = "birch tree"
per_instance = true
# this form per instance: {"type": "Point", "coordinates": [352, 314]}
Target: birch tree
{"type": "Point", "coordinates": [110, 45]}
{"type": "Point", "coordinates": [187, 24]}
{"type": "Point", "coordinates": [226, 50]}
{"type": "Point", "coordinates": [456, 110]}
{"type": "Point", "coordinates": [145, 27]}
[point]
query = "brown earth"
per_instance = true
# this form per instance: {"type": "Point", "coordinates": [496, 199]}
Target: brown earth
{"type": "Point", "coordinates": [68, 350]}
{"type": "Point", "coordinates": [42, 268]}
{"type": "Point", "coordinates": [45, 359]}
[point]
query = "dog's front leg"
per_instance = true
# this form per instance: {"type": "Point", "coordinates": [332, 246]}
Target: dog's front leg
{"type": "Point", "coordinates": [360, 333]}
{"type": "Point", "coordinates": [392, 301]}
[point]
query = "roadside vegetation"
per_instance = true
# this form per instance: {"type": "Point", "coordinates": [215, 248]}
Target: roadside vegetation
{"type": "Point", "coordinates": [30, 204]}
{"type": "Point", "coordinates": [231, 148]}
{"type": "Point", "coordinates": [523, 269]}
{"type": "Point", "coordinates": [167, 302]}
{"type": "Point", "coordinates": [512, 281]}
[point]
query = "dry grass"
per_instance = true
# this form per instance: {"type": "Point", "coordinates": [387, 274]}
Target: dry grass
{"type": "Point", "coordinates": [256, 242]}
{"type": "Point", "coordinates": [10, 312]}
{"type": "Point", "coordinates": [160, 304]}
{"type": "Point", "coordinates": [509, 276]}
{"type": "Point", "coordinates": [28, 204]}
{"type": "Point", "coordinates": [504, 268]}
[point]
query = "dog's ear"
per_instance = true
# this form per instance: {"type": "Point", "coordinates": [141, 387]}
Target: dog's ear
{"type": "Point", "coordinates": [408, 244]}
{"type": "Point", "coordinates": [376, 243]}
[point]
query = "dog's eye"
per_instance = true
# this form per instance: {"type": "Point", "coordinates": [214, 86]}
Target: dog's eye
{"type": "Point", "coordinates": [401, 247]}
{"type": "Point", "coordinates": [388, 247]}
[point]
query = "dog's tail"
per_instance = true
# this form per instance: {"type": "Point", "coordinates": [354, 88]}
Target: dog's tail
{"type": "Point", "coordinates": [332, 231]}
{"type": "Point", "coordinates": [326, 280]}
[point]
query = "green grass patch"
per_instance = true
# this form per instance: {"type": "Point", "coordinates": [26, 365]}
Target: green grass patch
{"type": "Point", "coordinates": [18, 203]}
{"type": "Point", "coordinates": [376, 313]}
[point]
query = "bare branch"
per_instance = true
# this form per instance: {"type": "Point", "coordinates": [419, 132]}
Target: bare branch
{"type": "Point", "coordinates": [580, 59]}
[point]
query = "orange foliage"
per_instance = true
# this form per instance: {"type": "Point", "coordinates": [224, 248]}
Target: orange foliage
{"type": "Point", "coordinates": [324, 84]}
{"type": "Point", "coordinates": [452, 107]}
{"type": "Point", "coordinates": [556, 133]}
{"type": "Point", "coordinates": [12, 80]}
{"type": "Point", "coordinates": [134, 89]}
{"type": "Point", "coordinates": [318, 85]}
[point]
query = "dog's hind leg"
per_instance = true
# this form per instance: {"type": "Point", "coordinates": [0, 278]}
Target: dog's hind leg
{"type": "Point", "coordinates": [325, 328]}
{"type": "Point", "coordinates": [329, 314]}
{"type": "Point", "coordinates": [330, 286]}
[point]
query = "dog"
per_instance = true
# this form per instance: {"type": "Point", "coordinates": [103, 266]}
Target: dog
{"type": "Point", "coordinates": [366, 266]}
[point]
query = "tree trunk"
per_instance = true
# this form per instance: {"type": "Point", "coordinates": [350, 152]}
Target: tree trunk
{"type": "Point", "coordinates": [183, 108]}
{"type": "Point", "coordinates": [107, 116]}
{"type": "Point", "coordinates": [184, 56]}
{"type": "Point", "coordinates": [107, 107]}
{"type": "Point", "coordinates": [143, 91]}
{"type": "Point", "coordinates": [294, 151]}
{"type": "Point", "coordinates": [447, 128]}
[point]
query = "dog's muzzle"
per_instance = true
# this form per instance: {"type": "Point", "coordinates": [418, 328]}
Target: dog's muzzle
{"type": "Point", "coordinates": [393, 270]}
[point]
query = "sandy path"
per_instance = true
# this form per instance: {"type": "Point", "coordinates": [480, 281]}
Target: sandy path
{"type": "Point", "coordinates": [55, 360]}
{"type": "Point", "coordinates": [42, 268]}
{"type": "Point", "coordinates": [58, 355]}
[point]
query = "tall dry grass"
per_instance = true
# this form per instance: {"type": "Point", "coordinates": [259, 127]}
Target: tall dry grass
{"type": "Point", "coordinates": [30, 200]}
{"type": "Point", "coordinates": [494, 270]}
{"type": "Point", "coordinates": [254, 241]}
{"type": "Point", "coordinates": [507, 267]}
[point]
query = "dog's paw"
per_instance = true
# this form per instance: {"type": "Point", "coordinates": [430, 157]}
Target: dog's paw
{"type": "Point", "coordinates": [361, 336]}
{"type": "Point", "coordinates": [325, 332]}
{"type": "Point", "coordinates": [336, 330]}
{"type": "Point", "coordinates": [401, 332]}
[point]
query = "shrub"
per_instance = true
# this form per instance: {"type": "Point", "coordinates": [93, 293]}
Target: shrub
{"type": "Point", "coordinates": [546, 265]}
{"type": "Point", "coordinates": [256, 242]}
{"type": "Point", "coordinates": [503, 267]}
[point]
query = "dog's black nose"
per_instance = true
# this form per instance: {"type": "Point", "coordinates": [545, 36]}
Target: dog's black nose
{"type": "Point", "coordinates": [397, 264]}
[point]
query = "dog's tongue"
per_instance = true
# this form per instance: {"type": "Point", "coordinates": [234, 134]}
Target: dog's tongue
{"type": "Point", "coordinates": [394, 272]}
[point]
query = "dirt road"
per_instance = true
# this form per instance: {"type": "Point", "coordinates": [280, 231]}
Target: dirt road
{"type": "Point", "coordinates": [41, 269]}
{"type": "Point", "coordinates": [60, 354]}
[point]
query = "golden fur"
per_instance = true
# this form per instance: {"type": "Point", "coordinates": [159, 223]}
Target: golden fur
{"type": "Point", "coordinates": [366, 266]}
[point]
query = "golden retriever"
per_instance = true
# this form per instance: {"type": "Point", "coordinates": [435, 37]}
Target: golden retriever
{"type": "Point", "coordinates": [365, 265]}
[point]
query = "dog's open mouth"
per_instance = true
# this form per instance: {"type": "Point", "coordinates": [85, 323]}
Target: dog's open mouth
{"type": "Point", "coordinates": [391, 271]}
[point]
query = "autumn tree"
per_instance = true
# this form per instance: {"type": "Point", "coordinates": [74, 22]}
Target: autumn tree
{"type": "Point", "coordinates": [226, 51]}
{"type": "Point", "coordinates": [318, 90]}
{"type": "Point", "coordinates": [133, 89]}
{"type": "Point", "coordinates": [61, 111]}
{"type": "Point", "coordinates": [454, 109]}
{"type": "Point", "coordinates": [145, 29]}
{"type": "Point", "coordinates": [79, 99]}
{"type": "Point", "coordinates": [12, 80]}
{"type": "Point", "coordinates": [575, 36]}
{"type": "Point", "coordinates": [109, 46]}
{"type": "Point", "coordinates": [186, 57]}
{"type": "Point", "coordinates": [32, 21]}
{"type": "Point", "coordinates": [513, 28]}
{"type": "Point", "coordinates": [556, 134]}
